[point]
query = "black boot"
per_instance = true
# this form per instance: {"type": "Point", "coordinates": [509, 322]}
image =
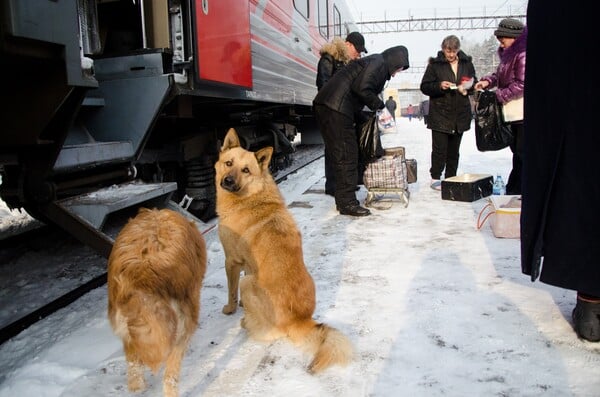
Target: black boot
{"type": "Point", "coordinates": [354, 210]}
{"type": "Point", "coordinates": [586, 318]}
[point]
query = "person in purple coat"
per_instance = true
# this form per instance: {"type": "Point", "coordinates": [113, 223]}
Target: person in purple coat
{"type": "Point", "coordinates": [509, 80]}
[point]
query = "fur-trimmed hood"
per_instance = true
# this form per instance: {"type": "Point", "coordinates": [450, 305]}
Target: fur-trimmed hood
{"type": "Point", "coordinates": [337, 49]}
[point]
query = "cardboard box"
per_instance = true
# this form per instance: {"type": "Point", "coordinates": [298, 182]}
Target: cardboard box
{"type": "Point", "coordinates": [467, 187]}
{"type": "Point", "coordinates": [506, 219]}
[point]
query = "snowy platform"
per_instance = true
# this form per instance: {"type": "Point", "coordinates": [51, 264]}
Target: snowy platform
{"type": "Point", "coordinates": [433, 306]}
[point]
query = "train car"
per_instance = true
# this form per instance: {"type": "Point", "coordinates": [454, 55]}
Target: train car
{"type": "Point", "coordinates": [135, 95]}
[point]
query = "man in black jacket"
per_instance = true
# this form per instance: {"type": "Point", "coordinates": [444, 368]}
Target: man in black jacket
{"type": "Point", "coordinates": [334, 56]}
{"type": "Point", "coordinates": [336, 107]}
{"type": "Point", "coordinates": [390, 104]}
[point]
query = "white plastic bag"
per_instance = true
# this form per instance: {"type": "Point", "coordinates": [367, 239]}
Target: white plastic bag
{"type": "Point", "coordinates": [385, 121]}
{"type": "Point", "coordinates": [513, 110]}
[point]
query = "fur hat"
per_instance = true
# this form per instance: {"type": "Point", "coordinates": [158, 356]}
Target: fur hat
{"type": "Point", "coordinates": [357, 40]}
{"type": "Point", "coordinates": [509, 27]}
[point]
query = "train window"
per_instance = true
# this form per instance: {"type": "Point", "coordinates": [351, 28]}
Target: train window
{"type": "Point", "coordinates": [302, 7]}
{"type": "Point", "coordinates": [323, 17]}
{"type": "Point", "coordinates": [337, 22]}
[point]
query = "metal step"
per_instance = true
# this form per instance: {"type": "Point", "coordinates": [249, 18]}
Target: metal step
{"type": "Point", "coordinates": [84, 216]}
{"type": "Point", "coordinates": [94, 207]}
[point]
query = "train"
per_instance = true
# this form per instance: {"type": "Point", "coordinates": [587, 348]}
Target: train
{"type": "Point", "coordinates": [108, 103]}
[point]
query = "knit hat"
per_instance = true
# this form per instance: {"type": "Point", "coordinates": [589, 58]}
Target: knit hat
{"type": "Point", "coordinates": [509, 27]}
{"type": "Point", "coordinates": [357, 40]}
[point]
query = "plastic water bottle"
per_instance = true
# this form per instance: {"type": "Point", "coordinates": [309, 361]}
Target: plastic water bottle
{"type": "Point", "coordinates": [499, 187]}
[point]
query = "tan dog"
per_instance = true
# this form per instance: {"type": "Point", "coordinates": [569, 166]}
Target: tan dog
{"type": "Point", "coordinates": [260, 237]}
{"type": "Point", "coordinates": [155, 272]}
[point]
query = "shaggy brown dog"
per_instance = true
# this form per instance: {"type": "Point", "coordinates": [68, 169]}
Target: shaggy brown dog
{"type": "Point", "coordinates": [155, 272]}
{"type": "Point", "coordinates": [260, 237]}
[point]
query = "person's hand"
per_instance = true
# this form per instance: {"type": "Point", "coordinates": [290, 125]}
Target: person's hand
{"type": "Point", "coordinates": [482, 85]}
{"type": "Point", "coordinates": [462, 90]}
{"type": "Point", "coordinates": [445, 85]}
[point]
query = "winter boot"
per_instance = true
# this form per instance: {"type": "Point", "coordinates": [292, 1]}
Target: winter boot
{"type": "Point", "coordinates": [586, 317]}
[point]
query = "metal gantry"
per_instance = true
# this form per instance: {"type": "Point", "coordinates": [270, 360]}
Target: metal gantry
{"type": "Point", "coordinates": [431, 24]}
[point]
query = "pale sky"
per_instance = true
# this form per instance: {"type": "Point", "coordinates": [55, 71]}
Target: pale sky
{"type": "Point", "coordinates": [422, 45]}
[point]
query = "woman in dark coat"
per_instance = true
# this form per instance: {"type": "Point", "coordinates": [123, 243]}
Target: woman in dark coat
{"type": "Point", "coordinates": [560, 216]}
{"type": "Point", "coordinates": [337, 105]}
{"type": "Point", "coordinates": [448, 80]}
{"type": "Point", "coordinates": [509, 79]}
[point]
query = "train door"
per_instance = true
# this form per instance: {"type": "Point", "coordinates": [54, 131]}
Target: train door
{"type": "Point", "coordinates": [223, 51]}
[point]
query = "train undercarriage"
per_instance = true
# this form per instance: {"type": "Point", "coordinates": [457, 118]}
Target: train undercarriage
{"type": "Point", "coordinates": [111, 96]}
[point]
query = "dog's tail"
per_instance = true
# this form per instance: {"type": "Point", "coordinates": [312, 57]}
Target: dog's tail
{"type": "Point", "coordinates": [328, 345]}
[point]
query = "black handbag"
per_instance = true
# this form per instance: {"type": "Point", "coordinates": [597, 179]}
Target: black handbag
{"type": "Point", "coordinates": [491, 133]}
{"type": "Point", "coordinates": [369, 141]}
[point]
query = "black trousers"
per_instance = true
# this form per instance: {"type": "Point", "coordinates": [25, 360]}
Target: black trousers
{"type": "Point", "coordinates": [330, 169]}
{"type": "Point", "coordinates": [513, 186]}
{"type": "Point", "coordinates": [444, 154]}
{"type": "Point", "coordinates": [329, 172]}
{"type": "Point", "coordinates": [339, 135]}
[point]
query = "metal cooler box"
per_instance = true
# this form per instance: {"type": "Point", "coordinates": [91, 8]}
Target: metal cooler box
{"type": "Point", "coordinates": [467, 187]}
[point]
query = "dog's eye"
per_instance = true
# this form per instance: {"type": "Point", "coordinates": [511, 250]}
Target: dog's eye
{"type": "Point", "coordinates": [229, 163]}
{"type": "Point", "coordinates": [246, 170]}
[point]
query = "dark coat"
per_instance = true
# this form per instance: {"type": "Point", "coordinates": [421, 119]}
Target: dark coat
{"type": "Point", "coordinates": [509, 77]}
{"type": "Point", "coordinates": [391, 105]}
{"type": "Point", "coordinates": [561, 193]}
{"type": "Point", "coordinates": [449, 110]}
{"type": "Point", "coordinates": [334, 56]}
{"type": "Point", "coordinates": [360, 82]}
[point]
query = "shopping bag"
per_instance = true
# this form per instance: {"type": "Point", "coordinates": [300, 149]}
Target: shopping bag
{"type": "Point", "coordinates": [513, 110]}
{"type": "Point", "coordinates": [386, 122]}
{"type": "Point", "coordinates": [388, 172]}
{"type": "Point", "coordinates": [491, 133]}
{"type": "Point", "coordinates": [369, 141]}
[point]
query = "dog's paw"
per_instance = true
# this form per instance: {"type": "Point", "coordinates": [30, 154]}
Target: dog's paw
{"type": "Point", "coordinates": [136, 383]}
{"type": "Point", "coordinates": [170, 386]}
{"type": "Point", "coordinates": [229, 308]}
{"type": "Point", "coordinates": [135, 377]}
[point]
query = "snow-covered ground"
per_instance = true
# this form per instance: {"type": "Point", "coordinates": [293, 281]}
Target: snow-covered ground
{"type": "Point", "coordinates": [433, 306]}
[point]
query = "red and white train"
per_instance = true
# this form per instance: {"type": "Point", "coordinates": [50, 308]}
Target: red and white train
{"type": "Point", "coordinates": [98, 93]}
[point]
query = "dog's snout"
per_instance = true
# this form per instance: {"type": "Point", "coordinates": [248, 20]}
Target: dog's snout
{"type": "Point", "coordinates": [228, 183]}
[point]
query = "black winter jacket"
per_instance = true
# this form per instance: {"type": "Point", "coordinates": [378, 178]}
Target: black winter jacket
{"type": "Point", "coordinates": [449, 110]}
{"type": "Point", "coordinates": [334, 56]}
{"type": "Point", "coordinates": [360, 82]}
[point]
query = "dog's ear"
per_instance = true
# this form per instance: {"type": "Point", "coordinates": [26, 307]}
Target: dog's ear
{"type": "Point", "coordinates": [231, 140]}
{"type": "Point", "coordinates": [263, 156]}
